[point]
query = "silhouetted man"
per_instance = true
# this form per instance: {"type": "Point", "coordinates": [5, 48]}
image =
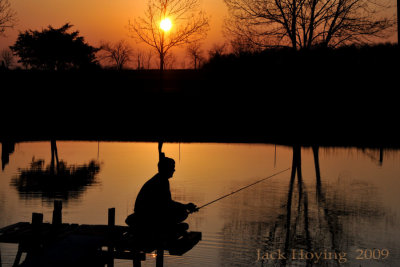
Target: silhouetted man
{"type": "Point", "coordinates": [155, 211]}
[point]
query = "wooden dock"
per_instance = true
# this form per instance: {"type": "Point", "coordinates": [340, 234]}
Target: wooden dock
{"type": "Point", "coordinates": [61, 244]}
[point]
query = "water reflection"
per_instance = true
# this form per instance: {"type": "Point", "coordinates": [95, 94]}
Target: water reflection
{"type": "Point", "coordinates": [337, 200]}
{"type": "Point", "coordinates": [305, 230]}
{"type": "Point", "coordinates": [57, 180]}
{"type": "Point", "coordinates": [378, 159]}
{"type": "Point", "coordinates": [7, 148]}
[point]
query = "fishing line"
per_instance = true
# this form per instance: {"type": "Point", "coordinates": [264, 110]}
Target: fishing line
{"type": "Point", "coordinates": [240, 189]}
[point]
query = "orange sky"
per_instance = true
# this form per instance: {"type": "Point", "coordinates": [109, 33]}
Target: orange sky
{"type": "Point", "coordinates": [101, 19]}
{"type": "Point", "coordinates": [97, 19]}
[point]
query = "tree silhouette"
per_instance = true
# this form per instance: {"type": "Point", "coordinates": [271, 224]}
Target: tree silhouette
{"type": "Point", "coordinates": [195, 53]}
{"type": "Point", "coordinates": [54, 49]}
{"type": "Point", "coordinates": [6, 58]}
{"type": "Point", "coordinates": [169, 61]}
{"type": "Point", "coordinates": [119, 54]}
{"type": "Point", "coordinates": [143, 59]}
{"type": "Point", "coordinates": [189, 25]}
{"type": "Point", "coordinates": [7, 16]}
{"type": "Point", "coordinates": [241, 45]}
{"type": "Point", "coordinates": [307, 23]}
{"type": "Point", "coordinates": [217, 50]}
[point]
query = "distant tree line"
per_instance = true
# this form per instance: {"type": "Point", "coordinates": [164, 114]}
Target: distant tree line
{"type": "Point", "coordinates": [259, 34]}
{"type": "Point", "coordinates": [373, 56]}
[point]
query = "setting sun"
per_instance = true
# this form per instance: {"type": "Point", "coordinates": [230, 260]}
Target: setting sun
{"type": "Point", "coordinates": [166, 24]}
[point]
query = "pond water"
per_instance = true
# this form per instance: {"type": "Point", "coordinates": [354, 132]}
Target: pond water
{"type": "Point", "coordinates": [346, 212]}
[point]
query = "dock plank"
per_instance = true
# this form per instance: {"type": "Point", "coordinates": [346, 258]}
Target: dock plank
{"type": "Point", "coordinates": [73, 250]}
{"type": "Point", "coordinates": [76, 245]}
{"type": "Point", "coordinates": [14, 227]}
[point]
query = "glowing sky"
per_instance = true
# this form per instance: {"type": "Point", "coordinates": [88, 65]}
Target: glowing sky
{"type": "Point", "coordinates": [101, 20]}
{"type": "Point", "coordinates": [97, 19]}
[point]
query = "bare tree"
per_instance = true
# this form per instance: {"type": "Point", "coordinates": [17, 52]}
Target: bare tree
{"type": "Point", "coordinates": [118, 54]}
{"type": "Point", "coordinates": [139, 59]}
{"type": "Point", "coordinates": [217, 50]}
{"type": "Point", "coordinates": [143, 59]}
{"type": "Point", "coordinates": [7, 58]}
{"type": "Point", "coordinates": [307, 23]}
{"type": "Point", "coordinates": [189, 25]}
{"type": "Point", "coordinates": [170, 61]}
{"type": "Point", "coordinates": [148, 56]}
{"type": "Point", "coordinates": [195, 53]}
{"type": "Point", "coordinates": [7, 16]}
{"type": "Point", "coordinates": [240, 45]}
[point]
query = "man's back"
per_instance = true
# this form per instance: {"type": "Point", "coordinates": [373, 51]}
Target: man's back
{"type": "Point", "coordinates": [154, 199]}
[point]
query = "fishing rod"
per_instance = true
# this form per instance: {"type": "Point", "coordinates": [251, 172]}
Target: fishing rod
{"type": "Point", "coordinates": [234, 192]}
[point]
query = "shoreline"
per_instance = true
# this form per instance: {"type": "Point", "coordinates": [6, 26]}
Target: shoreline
{"type": "Point", "coordinates": [192, 106]}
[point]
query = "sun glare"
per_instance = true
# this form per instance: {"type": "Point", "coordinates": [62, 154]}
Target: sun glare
{"type": "Point", "coordinates": [166, 24]}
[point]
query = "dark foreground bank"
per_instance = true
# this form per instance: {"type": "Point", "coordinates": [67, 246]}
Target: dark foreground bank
{"type": "Point", "coordinates": [339, 105]}
{"type": "Point", "coordinates": [262, 119]}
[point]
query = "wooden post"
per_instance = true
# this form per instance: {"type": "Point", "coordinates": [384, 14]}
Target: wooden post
{"type": "Point", "coordinates": [111, 217]}
{"type": "Point", "coordinates": [160, 257]}
{"type": "Point", "coordinates": [111, 224]}
{"type": "Point", "coordinates": [57, 214]}
{"type": "Point", "coordinates": [18, 256]}
{"type": "Point", "coordinates": [137, 261]}
{"type": "Point", "coordinates": [37, 220]}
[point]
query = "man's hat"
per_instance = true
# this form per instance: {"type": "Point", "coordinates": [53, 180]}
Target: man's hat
{"type": "Point", "coordinates": [165, 162]}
